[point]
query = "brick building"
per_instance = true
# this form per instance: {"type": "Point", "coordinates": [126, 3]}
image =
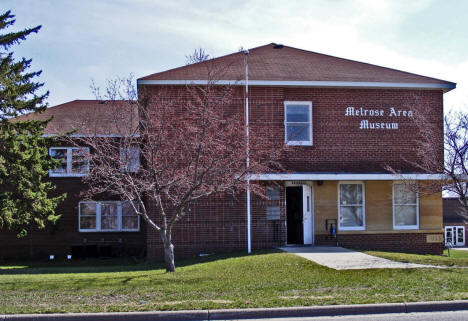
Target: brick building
{"type": "Point", "coordinates": [73, 233]}
{"type": "Point", "coordinates": [344, 121]}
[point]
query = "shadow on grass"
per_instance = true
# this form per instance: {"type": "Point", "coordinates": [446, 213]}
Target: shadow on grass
{"type": "Point", "coordinates": [111, 265]}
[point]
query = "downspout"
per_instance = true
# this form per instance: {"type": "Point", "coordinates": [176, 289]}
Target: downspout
{"type": "Point", "coordinates": [247, 161]}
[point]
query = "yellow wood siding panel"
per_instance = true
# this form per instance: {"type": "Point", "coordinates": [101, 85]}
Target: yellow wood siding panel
{"type": "Point", "coordinates": [378, 208]}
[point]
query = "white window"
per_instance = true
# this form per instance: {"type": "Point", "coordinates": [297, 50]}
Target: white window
{"type": "Point", "coordinates": [405, 207]}
{"type": "Point", "coordinates": [298, 122]}
{"type": "Point", "coordinates": [73, 161]}
{"type": "Point", "coordinates": [130, 158]}
{"type": "Point", "coordinates": [107, 216]}
{"type": "Point", "coordinates": [351, 214]}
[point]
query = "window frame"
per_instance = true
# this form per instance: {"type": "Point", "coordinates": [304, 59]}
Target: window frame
{"type": "Point", "coordinates": [297, 143]}
{"type": "Point", "coordinates": [69, 156]}
{"type": "Point", "coordinates": [352, 228]}
{"type": "Point", "coordinates": [404, 227]}
{"type": "Point", "coordinates": [98, 218]}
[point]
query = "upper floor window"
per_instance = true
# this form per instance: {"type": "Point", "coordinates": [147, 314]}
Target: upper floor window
{"type": "Point", "coordinates": [298, 122]}
{"type": "Point", "coordinates": [405, 207]}
{"type": "Point", "coordinates": [73, 161]}
{"type": "Point", "coordinates": [130, 158]}
{"type": "Point", "coordinates": [108, 216]}
{"type": "Point", "coordinates": [351, 215]}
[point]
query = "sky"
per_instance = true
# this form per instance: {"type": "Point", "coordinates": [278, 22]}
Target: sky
{"type": "Point", "coordinates": [96, 40]}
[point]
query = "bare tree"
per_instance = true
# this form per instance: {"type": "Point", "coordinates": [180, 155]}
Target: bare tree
{"type": "Point", "coordinates": [456, 158]}
{"type": "Point", "coordinates": [451, 161]}
{"type": "Point", "coordinates": [178, 152]}
{"type": "Point", "coordinates": [198, 55]}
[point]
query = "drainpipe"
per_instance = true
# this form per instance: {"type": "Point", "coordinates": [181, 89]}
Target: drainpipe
{"type": "Point", "coordinates": [247, 161]}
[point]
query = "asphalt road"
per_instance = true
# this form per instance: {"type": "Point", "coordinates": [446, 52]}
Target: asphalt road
{"type": "Point", "coordinates": [426, 316]}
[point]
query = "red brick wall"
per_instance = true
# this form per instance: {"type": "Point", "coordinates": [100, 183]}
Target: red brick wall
{"type": "Point", "coordinates": [59, 239]}
{"type": "Point", "coordinates": [393, 242]}
{"type": "Point", "coordinates": [338, 143]}
{"type": "Point", "coordinates": [219, 225]}
{"type": "Point", "coordinates": [214, 225]}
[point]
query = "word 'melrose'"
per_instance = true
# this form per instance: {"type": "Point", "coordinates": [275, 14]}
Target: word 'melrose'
{"type": "Point", "coordinates": [393, 112]}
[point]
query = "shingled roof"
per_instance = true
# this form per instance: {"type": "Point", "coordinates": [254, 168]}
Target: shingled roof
{"type": "Point", "coordinates": [274, 62]}
{"type": "Point", "coordinates": [89, 117]}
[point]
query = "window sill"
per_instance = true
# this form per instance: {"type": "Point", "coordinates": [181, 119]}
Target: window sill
{"type": "Point", "coordinates": [299, 143]}
{"type": "Point", "coordinates": [406, 227]}
{"type": "Point", "coordinates": [67, 175]}
{"type": "Point", "coordinates": [107, 231]}
{"type": "Point", "coordinates": [358, 228]}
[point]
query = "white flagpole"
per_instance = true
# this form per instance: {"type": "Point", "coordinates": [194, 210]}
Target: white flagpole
{"type": "Point", "coordinates": [249, 218]}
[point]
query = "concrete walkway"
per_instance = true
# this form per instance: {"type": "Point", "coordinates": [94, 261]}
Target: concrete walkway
{"type": "Point", "coordinates": [339, 258]}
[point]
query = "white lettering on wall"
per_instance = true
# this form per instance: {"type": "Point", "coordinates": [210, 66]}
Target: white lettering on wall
{"type": "Point", "coordinates": [376, 112]}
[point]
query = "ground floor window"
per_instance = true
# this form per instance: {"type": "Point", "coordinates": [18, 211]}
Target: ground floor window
{"type": "Point", "coordinates": [107, 216]}
{"type": "Point", "coordinates": [405, 207]}
{"type": "Point", "coordinates": [351, 214]}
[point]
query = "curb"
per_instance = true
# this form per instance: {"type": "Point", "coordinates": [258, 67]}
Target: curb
{"type": "Point", "coordinates": [257, 313]}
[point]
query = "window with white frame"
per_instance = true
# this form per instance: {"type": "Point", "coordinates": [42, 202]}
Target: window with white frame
{"type": "Point", "coordinates": [298, 122]}
{"type": "Point", "coordinates": [405, 207]}
{"type": "Point", "coordinates": [108, 216]}
{"type": "Point", "coordinates": [351, 213]}
{"type": "Point", "coordinates": [130, 158]}
{"type": "Point", "coordinates": [73, 161]}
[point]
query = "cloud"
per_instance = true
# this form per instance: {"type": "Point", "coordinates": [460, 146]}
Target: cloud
{"type": "Point", "coordinates": [102, 39]}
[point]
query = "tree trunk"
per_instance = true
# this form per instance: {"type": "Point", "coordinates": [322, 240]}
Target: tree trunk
{"type": "Point", "coordinates": [168, 251]}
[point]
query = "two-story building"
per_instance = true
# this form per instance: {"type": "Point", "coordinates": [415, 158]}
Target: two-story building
{"type": "Point", "coordinates": [344, 122]}
{"type": "Point", "coordinates": [106, 227]}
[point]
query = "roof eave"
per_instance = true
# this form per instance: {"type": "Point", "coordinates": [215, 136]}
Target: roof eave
{"type": "Point", "coordinates": [445, 87]}
{"type": "Point", "coordinates": [344, 176]}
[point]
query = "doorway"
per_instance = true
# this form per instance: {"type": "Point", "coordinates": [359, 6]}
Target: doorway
{"type": "Point", "coordinates": [455, 235]}
{"type": "Point", "coordinates": [299, 218]}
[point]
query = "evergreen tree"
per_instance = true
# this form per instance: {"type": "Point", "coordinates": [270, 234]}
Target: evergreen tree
{"type": "Point", "coordinates": [24, 161]}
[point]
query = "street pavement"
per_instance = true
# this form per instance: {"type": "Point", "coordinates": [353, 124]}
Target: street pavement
{"type": "Point", "coordinates": [426, 316]}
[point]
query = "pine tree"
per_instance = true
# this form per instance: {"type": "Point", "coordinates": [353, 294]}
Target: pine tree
{"type": "Point", "coordinates": [24, 161]}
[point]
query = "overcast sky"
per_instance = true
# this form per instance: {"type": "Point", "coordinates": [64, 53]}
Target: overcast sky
{"type": "Point", "coordinates": [101, 39]}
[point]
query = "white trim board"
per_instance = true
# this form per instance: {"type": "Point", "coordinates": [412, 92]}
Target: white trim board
{"type": "Point", "coordinates": [313, 83]}
{"type": "Point", "coordinates": [342, 176]}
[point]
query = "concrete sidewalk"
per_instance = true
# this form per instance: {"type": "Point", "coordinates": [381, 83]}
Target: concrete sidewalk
{"type": "Point", "coordinates": [339, 258]}
{"type": "Point", "coordinates": [241, 314]}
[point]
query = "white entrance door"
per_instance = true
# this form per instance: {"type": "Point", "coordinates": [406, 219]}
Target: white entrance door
{"type": "Point", "coordinates": [455, 235]}
{"type": "Point", "coordinates": [307, 218]}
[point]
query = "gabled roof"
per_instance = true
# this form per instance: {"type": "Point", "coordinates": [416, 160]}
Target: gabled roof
{"type": "Point", "coordinates": [277, 63]}
{"type": "Point", "coordinates": [89, 117]}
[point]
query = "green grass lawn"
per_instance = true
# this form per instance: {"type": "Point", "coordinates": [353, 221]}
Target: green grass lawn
{"type": "Point", "coordinates": [263, 279]}
{"type": "Point", "coordinates": [456, 258]}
